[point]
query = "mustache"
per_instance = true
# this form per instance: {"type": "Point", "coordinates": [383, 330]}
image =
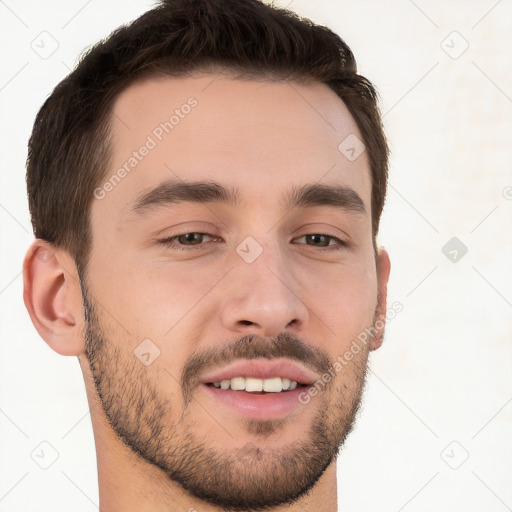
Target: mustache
{"type": "Point", "coordinates": [252, 346]}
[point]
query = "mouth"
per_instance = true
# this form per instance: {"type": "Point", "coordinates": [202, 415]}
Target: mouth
{"type": "Point", "coordinates": [259, 389]}
{"type": "Point", "coordinates": [258, 386]}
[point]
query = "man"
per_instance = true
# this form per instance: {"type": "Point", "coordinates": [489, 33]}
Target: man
{"type": "Point", "coordinates": [205, 190]}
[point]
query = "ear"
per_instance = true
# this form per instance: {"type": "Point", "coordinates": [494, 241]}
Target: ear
{"type": "Point", "coordinates": [53, 298]}
{"type": "Point", "coordinates": [383, 270]}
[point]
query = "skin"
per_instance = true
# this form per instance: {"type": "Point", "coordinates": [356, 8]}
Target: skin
{"type": "Point", "coordinates": [262, 138]}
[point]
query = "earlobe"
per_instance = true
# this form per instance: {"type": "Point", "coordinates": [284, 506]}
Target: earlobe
{"type": "Point", "coordinates": [383, 271]}
{"type": "Point", "coordinates": [52, 296]}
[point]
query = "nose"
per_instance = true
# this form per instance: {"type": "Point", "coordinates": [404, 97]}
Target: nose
{"type": "Point", "coordinates": [263, 298]}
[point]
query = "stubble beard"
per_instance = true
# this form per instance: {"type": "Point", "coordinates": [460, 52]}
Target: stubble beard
{"type": "Point", "coordinates": [250, 478]}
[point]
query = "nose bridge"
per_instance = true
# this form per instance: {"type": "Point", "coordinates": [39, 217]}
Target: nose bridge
{"type": "Point", "coordinates": [263, 296]}
{"type": "Point", "coordinates": [268, 275]}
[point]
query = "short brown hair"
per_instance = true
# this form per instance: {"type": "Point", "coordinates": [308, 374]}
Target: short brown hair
{"type": "Point", "coordinates": [69, 147]}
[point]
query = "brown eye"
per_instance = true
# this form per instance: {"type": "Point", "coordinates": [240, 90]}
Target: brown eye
{"type": "Point", "coordinates": [321, 240]}
{"type": "Point", "coordinates": [190, 238]}
{"type": "Point", "coordinates": [187, 240]}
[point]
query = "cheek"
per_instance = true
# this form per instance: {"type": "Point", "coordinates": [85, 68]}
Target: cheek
{"type": "Point", "coordinates": [148, 299]}
{"type": "Point", "coordinates": [170, 292]}
{"type": "Point", "coordinates": [342, 299]}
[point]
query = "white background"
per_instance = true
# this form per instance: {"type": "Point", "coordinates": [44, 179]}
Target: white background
{"type": "Point", "coordinates": [440, 388]}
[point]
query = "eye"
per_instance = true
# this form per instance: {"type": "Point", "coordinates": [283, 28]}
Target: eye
{"type": "Point", "coordinates": [193, 240]}
{"type": "Point", "coordinates": [324, 241]}
{"type": "Point", "coordinates": [186, 240]}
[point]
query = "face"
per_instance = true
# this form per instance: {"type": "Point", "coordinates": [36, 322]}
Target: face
{"type": "Point", "coordinates": [232, 268]}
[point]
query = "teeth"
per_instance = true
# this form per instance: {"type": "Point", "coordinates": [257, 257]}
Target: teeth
{"type": "Point", "coordinates": [238, 383]}
{"type": "Point", "coordinates": [251, 384]}
{"type": "Point", "coordinates": [274, 385]}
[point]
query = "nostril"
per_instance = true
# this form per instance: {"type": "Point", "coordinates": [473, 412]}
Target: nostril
{"type": "Point", "coordinates": [246, 322]}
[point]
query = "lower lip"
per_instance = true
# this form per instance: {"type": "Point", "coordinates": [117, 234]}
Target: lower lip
{"type": "Point", "coordinates": [266, 406]}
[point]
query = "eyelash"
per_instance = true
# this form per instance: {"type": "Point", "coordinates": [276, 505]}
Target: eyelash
{"type": "Point", "coordinates": [169, 241]}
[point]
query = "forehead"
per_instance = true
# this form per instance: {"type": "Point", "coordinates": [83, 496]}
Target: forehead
{"type": "Point", "coordinates": [257, 136]}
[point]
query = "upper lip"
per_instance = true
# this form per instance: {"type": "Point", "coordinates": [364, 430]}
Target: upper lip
{"type": "Point", "coordinates": [262, 369]}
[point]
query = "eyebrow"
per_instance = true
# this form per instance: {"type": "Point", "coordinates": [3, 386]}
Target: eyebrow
{"type": "Point", "coordinates": [173, 192]}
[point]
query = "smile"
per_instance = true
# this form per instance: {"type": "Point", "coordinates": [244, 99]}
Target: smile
{"type": "Point", "coordinates": [258, 389]}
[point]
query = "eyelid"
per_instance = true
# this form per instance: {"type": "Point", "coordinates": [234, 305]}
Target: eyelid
{"type": "Point", "coordinates": [323, 228]}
